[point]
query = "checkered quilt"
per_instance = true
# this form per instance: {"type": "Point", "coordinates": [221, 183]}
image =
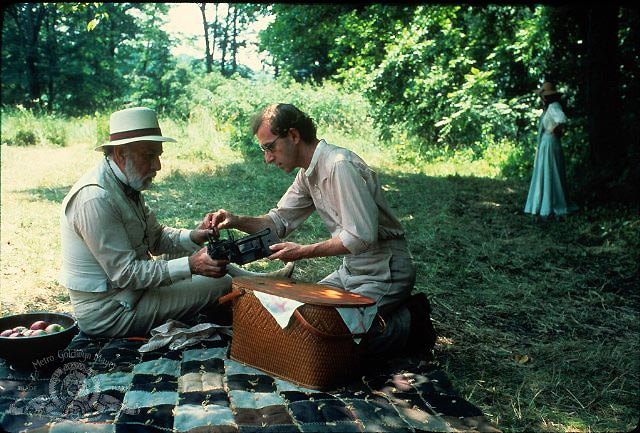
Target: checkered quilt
{"type": "Point", "coordinates": [107, 385]}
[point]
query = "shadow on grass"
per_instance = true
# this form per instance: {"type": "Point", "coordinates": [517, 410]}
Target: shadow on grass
{"type": "Point", "coordinates": [50, 194]}
{"type": "Point", "coordinates": [502, 286]}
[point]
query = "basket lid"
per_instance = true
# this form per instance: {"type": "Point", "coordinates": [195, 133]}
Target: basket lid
{"type": "Point", "coordinates": [308, 293]}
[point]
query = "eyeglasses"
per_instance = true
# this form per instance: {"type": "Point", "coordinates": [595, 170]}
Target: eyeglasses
{"type": "Point", "coordinates": [268, 147]}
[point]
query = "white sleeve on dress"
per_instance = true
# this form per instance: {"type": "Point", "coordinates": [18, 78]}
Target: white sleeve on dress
{"type": "Point", "coordinates": [555, 114]}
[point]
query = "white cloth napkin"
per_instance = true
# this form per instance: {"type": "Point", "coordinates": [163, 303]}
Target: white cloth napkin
{"type": "Point", "coordinates": [280, 308]}
{"type": "Point", "coordinates": [178, 335]}
{"type": "Point", "coordinates": [358, 320]}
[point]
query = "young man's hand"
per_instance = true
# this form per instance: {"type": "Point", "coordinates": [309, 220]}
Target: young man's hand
{"type": "Point", "coordinates": [217, 220]}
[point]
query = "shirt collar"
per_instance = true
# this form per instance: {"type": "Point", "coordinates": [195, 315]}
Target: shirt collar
{"type": "Point", "coordinates": [315, 158]}
{"type": "Point", "coordinates": [116, 170]}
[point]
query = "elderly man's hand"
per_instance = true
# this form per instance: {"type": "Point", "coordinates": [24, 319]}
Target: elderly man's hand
{"type": "Point", "coordinates": [201, 264]}
{"type": "Point", "coordinates": [200, 236]}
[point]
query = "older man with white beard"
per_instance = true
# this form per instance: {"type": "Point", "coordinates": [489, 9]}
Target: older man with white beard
{"type": "Point", "coordinates": [113, 246]}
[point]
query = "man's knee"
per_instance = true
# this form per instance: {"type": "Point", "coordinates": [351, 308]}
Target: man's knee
{"type": "Point", "coordinates": [205, 289]}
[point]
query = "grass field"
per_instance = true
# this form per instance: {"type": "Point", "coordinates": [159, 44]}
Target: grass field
{"type": "Point", "coordinates": [538, 321]}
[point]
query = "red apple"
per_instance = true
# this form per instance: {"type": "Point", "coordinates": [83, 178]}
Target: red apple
{"type": "Point", "coordinates": [16, 335]}
{"type": "Point", "coordinates": [54, 327]}
{"type": "Point", "coordinates": [6, 333]}
{"type": "Point", "coordinates": [40, 324]}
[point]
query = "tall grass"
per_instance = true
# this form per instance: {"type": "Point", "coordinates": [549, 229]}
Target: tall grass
{"type": "Point", "coordinates": [538, 321]}
{"type": "Point", "coordinates": [23, 127]}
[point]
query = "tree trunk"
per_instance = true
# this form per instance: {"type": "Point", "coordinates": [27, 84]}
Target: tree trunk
{"type": "Point", "coordinates": [234, 42]}
{"type": "Point", "coordinates": [52, 55]}
{"type": "Point", "coordinates": [215, 32]}
{"type": "Point", "coordinates": [28, 19]}
{"type": "Point", "coordinates": [606, 150]}
{"type": "Point", "coordinates": [225, 42]}
{"type": "Point", "coordinates": [207, 54]}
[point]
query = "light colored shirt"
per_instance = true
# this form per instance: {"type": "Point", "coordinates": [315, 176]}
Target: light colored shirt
{"type": "Point", "coordinates": [552, 117]}
{"type": "Point", "coordinates": [108, 240]}
{"type": "Point", "coordinates": [347, 195]}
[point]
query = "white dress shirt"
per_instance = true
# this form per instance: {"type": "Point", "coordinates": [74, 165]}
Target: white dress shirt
{"type": "Point", "coordinates": [347, 195]}
{"type": "Point", "coordinates": [108, 240]}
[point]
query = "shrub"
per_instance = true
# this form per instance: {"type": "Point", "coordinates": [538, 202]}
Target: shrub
{"type": "Point", "coordinates": [55, 133]}
{"type": "Point", "coordinates": [229, 104]}
{"type": "Point", "coordinates": [24, 138]}
{"type": "Point", "coordinates": [102, 128]}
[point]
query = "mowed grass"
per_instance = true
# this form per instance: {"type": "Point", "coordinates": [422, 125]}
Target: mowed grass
{"type": "Point", "coordinates": [538, 321]}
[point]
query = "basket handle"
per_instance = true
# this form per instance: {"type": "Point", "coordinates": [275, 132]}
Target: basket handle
{"type": "Point", "coordinates": [320, 333]}
{"type": "Point", "coordinates": [231, 296]}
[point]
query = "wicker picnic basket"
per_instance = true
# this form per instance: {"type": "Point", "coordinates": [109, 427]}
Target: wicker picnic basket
{"type": "Point", "coordinates": [316, 350]}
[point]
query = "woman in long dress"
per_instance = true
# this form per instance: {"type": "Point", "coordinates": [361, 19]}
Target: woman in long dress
{"type": "Point", "coordinates": [548, 188]}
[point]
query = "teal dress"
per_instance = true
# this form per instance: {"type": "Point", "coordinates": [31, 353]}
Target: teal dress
{"type": "Point", "coordinates": [548, 188]}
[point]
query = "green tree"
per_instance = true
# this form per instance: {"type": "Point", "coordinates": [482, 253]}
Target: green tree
{"type": "Point", "coordinates": [300, 39]}
{"type": "Point", "coordinates": [226, 32]}
{"type": "Point", "coordinates": [23, 48]}
{"type": "Point", "coordinates": [365, 32]}
{"type": "Point", "coordinates": [149, 58]}
{"type": "Point", "coordinates": [594, 53]}
{"type": "Point", "coordinates": [79, 58]}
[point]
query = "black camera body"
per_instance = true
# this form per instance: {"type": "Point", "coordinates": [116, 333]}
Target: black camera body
{"type": "Point", "coordinates": [244, 250]}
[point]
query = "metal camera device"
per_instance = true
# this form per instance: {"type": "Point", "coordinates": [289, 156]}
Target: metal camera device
{"type": "Point", "coordinates": [244, 250]}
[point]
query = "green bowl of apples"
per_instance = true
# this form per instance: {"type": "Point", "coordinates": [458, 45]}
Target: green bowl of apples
{"type": "Point", "coordinates": [30, 340]}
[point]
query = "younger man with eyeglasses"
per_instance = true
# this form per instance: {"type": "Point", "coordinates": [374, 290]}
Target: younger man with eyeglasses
{"type": "Point", "coordinates": [346, 193]}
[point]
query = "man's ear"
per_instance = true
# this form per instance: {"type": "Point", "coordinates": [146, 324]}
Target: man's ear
{"type": "Point", "coordinates": [295, 135]}
{"type": "Point", "coordinates": [118, 156]}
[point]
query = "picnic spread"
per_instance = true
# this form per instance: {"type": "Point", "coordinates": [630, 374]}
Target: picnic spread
{"type": "Point", "coordinates": [289, 364]}
{"type": "Point", "coordinates": [108, 385]}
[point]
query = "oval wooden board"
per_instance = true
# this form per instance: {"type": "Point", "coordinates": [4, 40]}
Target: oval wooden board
{"type": "Point", "coordinates": [308, 293]}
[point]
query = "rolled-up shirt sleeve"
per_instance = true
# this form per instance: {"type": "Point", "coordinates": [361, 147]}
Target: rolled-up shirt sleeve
{"type": "Point", "coordinates": [293, 208]}
{"type": "Point", "coordinates": [355, 207]}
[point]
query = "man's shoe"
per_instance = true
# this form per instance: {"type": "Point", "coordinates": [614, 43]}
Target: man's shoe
{"type": "Point", "coordinates": [422, 335]}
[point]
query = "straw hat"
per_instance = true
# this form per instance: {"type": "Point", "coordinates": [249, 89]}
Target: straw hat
{"type": "Point", "coordinates": [133, 124]}
{"type": "Point", "coordinates": [547, 89]}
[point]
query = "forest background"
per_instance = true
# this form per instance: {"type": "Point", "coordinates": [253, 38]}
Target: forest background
{"type": "Point", "coordinates": [442, 91]}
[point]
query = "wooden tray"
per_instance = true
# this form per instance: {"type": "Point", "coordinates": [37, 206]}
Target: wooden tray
{"type": "Point", "coordinates": [308, 293]}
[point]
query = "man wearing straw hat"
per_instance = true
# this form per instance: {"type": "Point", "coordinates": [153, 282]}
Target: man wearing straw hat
{"type": "Point", "coordinates": [112, 243]}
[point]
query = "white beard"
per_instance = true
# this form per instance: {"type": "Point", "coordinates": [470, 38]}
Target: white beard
{"type": "Point", "coordinates": [136, 180]}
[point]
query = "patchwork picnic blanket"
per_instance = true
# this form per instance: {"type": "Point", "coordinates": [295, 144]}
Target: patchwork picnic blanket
{"type": "Point", "coordinates": [107, 385]}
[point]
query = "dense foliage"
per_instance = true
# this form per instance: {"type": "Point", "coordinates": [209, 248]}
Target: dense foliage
{"type": "Point", "coordinates": [435, 79]}
{"type": "Point", "coordinates": [441, 77]}
{"type": "Point", "coordinates": [528, 313]}
{"type": "Point", "coordinates": [52, 61]}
